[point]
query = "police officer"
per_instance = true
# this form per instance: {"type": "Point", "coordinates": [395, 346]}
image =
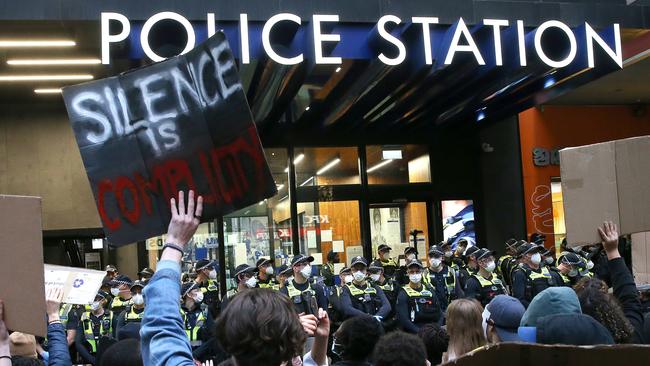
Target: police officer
{"type": "Point", "coordinates": [531, 277]}
{"type": "Point", "coordinates": [390, 288]}
{"type": "Point", "coordinates": [570, 268]}
{"type": "Point", "coordinates": [145, 275]}
{"type": "Point", "coordinates": [69, 316]}
{"type": "Point", "coordinates": [128, 322]}
{"type": "Point", "coordinates": [417, 303]}
{"type": "Point", "coordinates": [361, 297]}
{"type": "Point", "coordinates": [334, 310]}
{"type": "Point", "coordinates": [383, 257]}
{"type": "Point", "coordinates": [111, 271]}
{"type": "Point", "coordinates": [121, 291]}
{"type": "Point", "coordinates": [449, 259]}
{"type": "Point", "coordinates": [470, 267]}
{"type": "Point", "coordinates": [507, 261]}
{"type": "Point", "coordinates": [484, 285]}
{"type": "Point", "coordinates": [206, 280]}
{"type": "Point", "coordinates": [306, 297]}
{"type": "Point", "coordinates": [284, 272]}
{"type": "Point", "coordinates": [442, 278]}
{"type": "Point", "coordinates": [196, 321]}
{"type": "Point", "coordinates": [401, 275]}
{"type": "Point", "coordinates": [93, 325]}
{"type": "Point", "coordinates": [327, 270]}
{"type": "Point", "coordinates": [245, 278]}
{"type": "Point", "coordinates": [265, 273]}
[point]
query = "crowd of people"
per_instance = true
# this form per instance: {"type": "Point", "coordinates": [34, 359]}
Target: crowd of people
{"type": "Point", "coordinates": [459, 301]}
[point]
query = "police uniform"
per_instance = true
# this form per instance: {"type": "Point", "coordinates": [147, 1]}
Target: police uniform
{"type": "Point", "coordinates": [417, 306]}
{"type": "Point", "coordinates": [368, 299]}
{"type": "Point", "coordinates": [96, 327]}
{"type": "Point", "coordinates": [465, 271]}
{"type": "Point", "coordinates": [195, 324]}
{"type": "Point", "coordinates": [488, 288]}
{"type": "Point", "coordinates": [443, 282]}
{"type": "Point", "coordinates": [306, 297]}
{"type": "Point", "coordinates": [535, 281]}
{"type": "Point", "coordinates": [390, 266]}
{"type": "Point", "coordinates": [269, 282]}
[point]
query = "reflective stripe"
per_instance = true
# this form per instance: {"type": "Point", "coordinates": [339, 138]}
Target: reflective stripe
{"type": "Point", "coordinates": [293, 291]}
{"type": "Point", "coordinates": [119, 303]}
{"type": "Point", "coordinates": [193, 332]}
{"type": "Point", "coordinates": [355, 291]}
{"type": "Point", "coordinates": [449, 285]}
{"type": "Point", "coordinates": [103, 330]}
{"type": "Point", "coordinates": [131, 316]}
{"type": "Point", "coordinates": [64, 313]}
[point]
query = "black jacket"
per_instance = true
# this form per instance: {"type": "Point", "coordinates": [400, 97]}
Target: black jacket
{"type": "Point", "coordinates": [572, 329]}
{"type": "Point", "coordinates": [627, 294]}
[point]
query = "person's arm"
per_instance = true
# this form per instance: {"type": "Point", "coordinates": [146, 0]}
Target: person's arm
{"type": "Point", "coordinates": [385, 308]}
{"type": "Point", "coordinates": [163, 339]}
{"type": "Point", "coordinates": [622, 281]}
{"type": "Point", "coordinates": [5, 352]}
{"type": "Point", "coordinates": [320, 330]}
{"type": "Point", "coordinates": [81, 347]}
{"type": "Point", "coordinates": [56, 339]}
{"type": "Point", "coordinates": [346, 304]}
{"type": "Point", "coordinates": [519, 287]}
{"type": "Point", "coordinates": [402, 311]}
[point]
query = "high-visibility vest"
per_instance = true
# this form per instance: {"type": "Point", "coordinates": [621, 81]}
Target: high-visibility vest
{"type": "Point", "coordinates": [536, 282]}
{"type": "Point", "coordinates": [366, 299]}
{"type": "Point", "coordinates": [270, 284]}
{"type": "Point", "coordinates": [423, 304]}
{"type": "Point", "coordinates": [450, 281]}
{"type": "Point", "coordinates": [105, 328]}
{"type": "Point", "coordinates": [490, 288]}
{"type": "Point", "coordinates": [193, 331]}
{"type": "Point", "coordinates": [131, 316]}
{"type": "Point", "coordinates": [64, 313]}
{"type": "Point", "coordinates": [119, 304]}
{"type": "Point", "coordinates": [296, 297]}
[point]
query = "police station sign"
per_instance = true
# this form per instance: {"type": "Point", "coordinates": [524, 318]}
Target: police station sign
{"type": "Point", "coordinates": [325, 40]}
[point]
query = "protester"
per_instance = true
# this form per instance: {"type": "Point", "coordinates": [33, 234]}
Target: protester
{"type": "Point", "coordinates": [122, 353]}
{"type": "Point", "coordinates": [554, 300]}
{"type": "Point", "coordinates": [436, 341]}
{"type": "Point", "coordinates": [362, 298]}
{"type": "Point", "coordinates": [464, 328]}
{"type": "Point", "coordinates": [265, 273]}
{"type": "Point", "coordinates": [399, 348]}
{"type": "Point", "coordinates": [503, 315]}
{"type": "Point", "coordinates": [58, 354]}
{"type": "Point", "coordinates": [571, 329]}
{"type": "Point", "coordinates": [355, 341]}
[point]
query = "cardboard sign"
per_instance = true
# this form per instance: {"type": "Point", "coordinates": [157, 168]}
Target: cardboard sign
{"type": "Point", "coordinates": [180, 124]}
{"type": "Point", "coordinates": [544, 355]}
{"type": "Point", "coordinates": [607, 181]}
{"type": "Point", "coordinates": [79, 285]}
{"type": "Point", "coordinates": [21, 263]}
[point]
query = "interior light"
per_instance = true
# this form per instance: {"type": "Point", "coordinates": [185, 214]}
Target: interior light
{"type": "Point", "coordinates": [286, 170]}
{"type": "Point", "coordinates": [383, 163]}
{"type": "Point", "coordinates": [337, 69]}
{"type": "Point", "coordinates": [11, 43]}
{"type": "Point", "coordinates": [307, 108]}
{"type": "Point", "coordinates": [328, 166]}
{"type": "Point", "coordinates": [280, 186]}
{"type": "Point", "coordinates": [307, 181]}
{"type": "Point", "coordinates": [298, 159]}
{"type": "Point", "coordinates": [391, 154]}
{"type": "Point", "coordinates": [54, 62]}
{"type": "Point", "coordinates": [48, 91]}
{"type": "Point", "coordinates": [45, 77]}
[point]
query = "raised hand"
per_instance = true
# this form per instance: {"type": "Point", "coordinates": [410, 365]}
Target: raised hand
{"type": "Point", "coordinates": [184, 222]}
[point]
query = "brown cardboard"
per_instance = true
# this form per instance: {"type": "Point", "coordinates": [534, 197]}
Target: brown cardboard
{"type": "Point", "coordinates": [21, 264]}
{"type": "Point", "coordinates": [513, 354]}
{"type": "Point", "coordinates": [606, 181]}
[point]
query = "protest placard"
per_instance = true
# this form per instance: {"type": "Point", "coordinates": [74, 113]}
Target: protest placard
{"type": "Point", "coordinates": [180, 124]}
{"type": "Point", "coordinates": [79, 285]}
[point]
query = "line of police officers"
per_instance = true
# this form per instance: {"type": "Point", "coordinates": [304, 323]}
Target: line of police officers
{"type": "Point", "coordinates": [404, 297]}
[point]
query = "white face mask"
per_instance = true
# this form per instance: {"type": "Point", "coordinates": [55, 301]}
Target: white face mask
{"type": "Point", "coordinates": [410, 257]}
{"type": "Point", "coordinates": [435, 262]}
{"type": "Point", "coordinates": [306, 271]}
{"type": "Point", "coordinates": [269, 270]}
{"type": "Point", "coordinates": [348, 279]}
{"type": "Point", "coordinates": [359, 276]}
{"type": "Point", "coordinates": [416, 277]}
{"type": "Point", "coordinates": [490, 267]}
{"type": "Point", "coordinates": [95, 306]}
{"type": "Point", "coordinates": [138, 299]}
{"type": "Point", "coordinates": [290, 278]}
{"type": "Point", "coordinates": [115, 291]}
{"type": "Point", "coordinates": [213, 274]}
{"type": "Point", "coordinates": [374, 277]}
{"type": "Point", "coordinates": [198, 297]}
{"type": "Point", "coordinates": [449, 254]}
{"type": "Point", "coordinates": [536, 258]}
{"type": "Point", "coordinates": [590, 265]}
{"type": "Point", "coordinates": [251, 282]}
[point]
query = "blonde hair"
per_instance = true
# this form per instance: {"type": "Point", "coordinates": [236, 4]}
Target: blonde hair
{"type": "Point", "coordinates": [464, 326]}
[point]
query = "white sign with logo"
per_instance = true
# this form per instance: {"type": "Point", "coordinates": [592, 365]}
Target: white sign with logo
{"type": "Point", "coordinates": [79, 285]}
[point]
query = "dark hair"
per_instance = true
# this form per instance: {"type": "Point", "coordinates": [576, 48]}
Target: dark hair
{"type": "Point", "coordinates": [604, 307]}
{"type": "Point", "coordinates": [399, 348]}
{"type": "Point", "coordinates": [436, 341]}
{"type": "Point", "coordinates": [123, 353]}
{"type": "Point", "coordinates": [260, 327]}
{"type": "Point", "coordinates": [25, 361]}
{"type": "Point", "coordinates": [358, 336]}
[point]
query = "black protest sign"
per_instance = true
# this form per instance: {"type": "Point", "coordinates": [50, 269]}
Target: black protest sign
{"type": "Point", "coordinates": [180, 124]}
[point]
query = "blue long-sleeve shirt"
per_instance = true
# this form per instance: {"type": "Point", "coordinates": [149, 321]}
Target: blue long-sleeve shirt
{"type": "Point", "coordinates": [58, 345]}
{"type": "Point", "coordinates": [163, 338]}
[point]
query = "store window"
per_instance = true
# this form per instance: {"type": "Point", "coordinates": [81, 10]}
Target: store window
{"type": "Point", "coordinates": [322, 166]}
{"type": "Point", "coordinates": [399, 226]}
{"type": "Point", "coordinates": [326, 226]}
{"type": "Point", "coordinates": [559, 227]}
{"type": "Point", "coordinates": [458, 221]}
{"type": "Point", "coordinates": [398, 164]}
{"type": "Point", "coordinates": [261, 230]}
